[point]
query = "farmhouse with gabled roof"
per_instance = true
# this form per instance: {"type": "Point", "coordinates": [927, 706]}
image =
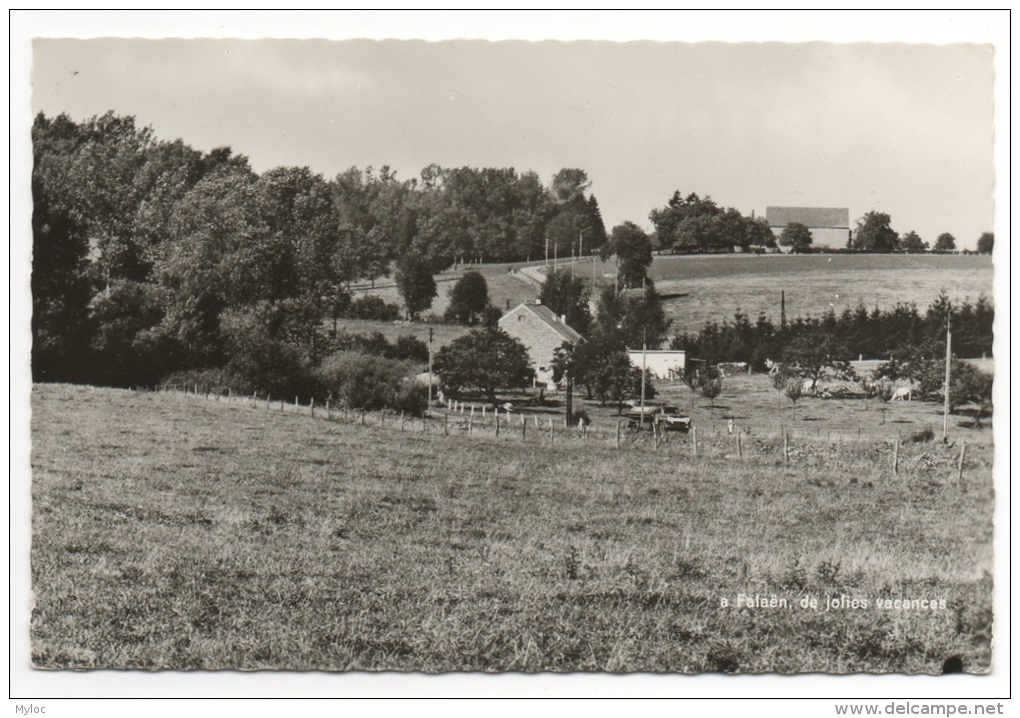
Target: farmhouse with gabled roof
{"type": "Point", "coordinates": [830, 226]}
{"type": "Point", "coordinates": [539, 329]}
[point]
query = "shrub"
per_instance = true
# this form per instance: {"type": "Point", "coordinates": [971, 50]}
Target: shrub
{"type": "Point", "coordinates": [409, 348]}
{"type": "Point", "coordinates": [216, 380]}
{"type": "Point", "coordinates": [365, 381]}
{"type": "Point", "coordinates": [372, 307]}
{"type": "Point", "coordinates": [410, 398]}
{"type": "Point", "coordinates": [362, 342]}
{"type": "Point", "coordinates": [922, 436]}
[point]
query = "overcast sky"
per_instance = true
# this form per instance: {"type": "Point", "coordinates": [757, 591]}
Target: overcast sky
{"type": "Point", "coordinates": [903, 129]}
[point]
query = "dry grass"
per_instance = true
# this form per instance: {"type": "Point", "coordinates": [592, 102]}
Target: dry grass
{"type": "Point", "coordinates": [175, 532]}
{"type": "Point", "coordinates": [714, 287]}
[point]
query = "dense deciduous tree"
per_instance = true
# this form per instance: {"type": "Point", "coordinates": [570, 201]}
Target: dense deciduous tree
{"type": "Point", "coordinates": [912, 243]}
{"type": "Point", "coordinates": [416, 284]}
{"type": "Point", "coordinates": [60, 291]}
{"type": "Point", "coordinates": [484, 360]}
{"type": "Point", "coordinates": [874, 233]}
{"type": "Point", "coordinates": [468, 299]}
{"type": "Point", "coordinates": [986, 242]}
{"type": "Point", "coordinates": [945, 243]}
{"type": "Point", "coordinates": [568, 295]}
{"type": "Point", "coordinates": [797, 236]}
{"type": "Point", "coordinates": [633, 249]}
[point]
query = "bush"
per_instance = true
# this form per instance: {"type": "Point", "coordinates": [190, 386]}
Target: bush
{"type": "Point", "coordinates": [361, 342]}
{"type": "Point", "coordinates": [365, 381]}
{"type": "Point", "coordinates": [410, 398]}
{"type": "Point", "coordinates": [373, 307]}
{"type": "Point", "coordinates": [216, 380]}
{"type": "Point", "coordinates": [410, 349]}
{"type": "Point", "coordinates": [921, 436]}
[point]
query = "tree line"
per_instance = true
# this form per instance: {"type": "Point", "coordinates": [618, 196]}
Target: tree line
{"type": "Point", "coordinates": [858, 333]}
{"type": "Point", "coordinates": [151, 257]}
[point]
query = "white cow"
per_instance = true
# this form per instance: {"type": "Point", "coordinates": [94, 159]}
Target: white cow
{"type": "Point", "coordinates": [904, 393]}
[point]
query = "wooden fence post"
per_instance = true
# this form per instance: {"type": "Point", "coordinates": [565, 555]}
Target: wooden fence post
{"type": "Point", "coordinates": [329, 411]}
{"type": "Point", "coordinates": [362, 417]}
{"type": "Point", "coordinates": [959, 468]}
{"type": "Point", "coordinates": [401, 422]}
{"type": "Point", "coordinates": [552, 430]}
{"type": "Point", "coordinates": [896, 456]}
{"type": "Point", "coordinates": [619, 423]}
{"type": "Point", "coordinates": [446, 424]}
{"type": "Point", "coordinates": [471, 422]}
{"type": "Point", "coordinates": [655, 436]}
{"type": "Point", "coordinates": [740, 448]}
{"type": "Point", "coordinates": [497, 422]}
{"type": "Point", "coordinates": [311, 407]}
{"type": "Point", "coordinates": [786, 448]}
{"type": "Point", "coordinates": [229, 392]}
{"type": "Point", "coordinates": [694, 430]}
{"type": "Point", "coordinates": [483, 413]}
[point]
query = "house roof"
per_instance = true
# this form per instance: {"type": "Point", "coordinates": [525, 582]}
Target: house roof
{"type": "Point", "coordinates": [838, 217]}
{"type": "Point", "coordinates": [548, 316]}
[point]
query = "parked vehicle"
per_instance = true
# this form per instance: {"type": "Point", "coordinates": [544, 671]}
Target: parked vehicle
{"type": "Point", "coordinates": [665, 417]}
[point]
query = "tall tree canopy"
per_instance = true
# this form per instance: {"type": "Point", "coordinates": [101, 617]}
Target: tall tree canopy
{"type": "Point", "coordinates": [468, 299]}
{"type": "Point", "coordinates": [633, 249]}
{"type": "Point", "coordinates": [912, 243]}
{"type": "Point", "coordinates": [796, 236]}
{"type": "Point", "coordinates": [874, 234]}
{"type": "Point", "coordinates": [945, 243]}
{"type": "Point", "coordinates": [484, 360]}
{"type": "Point", "coordinates": [986, 242]}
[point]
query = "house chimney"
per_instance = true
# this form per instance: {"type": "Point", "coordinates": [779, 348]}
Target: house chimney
{"type": "Point", "coordinates": [563, 319]}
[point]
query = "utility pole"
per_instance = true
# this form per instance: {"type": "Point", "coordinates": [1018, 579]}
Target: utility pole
{"type": "Point", "coordinates": [949, 353]}
{"type": "Point", "coordinates": [547, 252]}
{"type": "Point", "coordinates": [429, 409]}
{"type": "Point", "coordinates": [644, 354]}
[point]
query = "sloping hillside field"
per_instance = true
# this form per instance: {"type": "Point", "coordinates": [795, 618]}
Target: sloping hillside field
{"type": "Point", "coordinates": [182, 532]}
{"type": "Point", "coordinates": [714, 287]}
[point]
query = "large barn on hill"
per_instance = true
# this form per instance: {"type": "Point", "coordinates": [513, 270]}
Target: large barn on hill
{"type": "Point", "coordinates": [830, 226]}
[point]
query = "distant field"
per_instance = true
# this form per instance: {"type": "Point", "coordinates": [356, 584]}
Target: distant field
{"type": "Point", "coordinates": [184, 533]}
{"type": "Point", "coordinates": [714, 287]}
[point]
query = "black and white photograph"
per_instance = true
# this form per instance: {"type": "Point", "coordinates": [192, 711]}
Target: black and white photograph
{"type": "Point", "coordinates": [374, 354]}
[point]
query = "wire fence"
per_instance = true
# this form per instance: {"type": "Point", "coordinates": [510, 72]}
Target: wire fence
{"type": "Point", "coordinates": [776, 445]}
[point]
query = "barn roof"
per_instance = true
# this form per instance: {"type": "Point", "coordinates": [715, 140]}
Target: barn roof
{"type": "Point", "coordinates": [838, 217]}
{"type": "Point", "coordinates": [548, 316]}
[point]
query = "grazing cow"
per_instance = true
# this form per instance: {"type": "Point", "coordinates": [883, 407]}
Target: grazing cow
{"type": "Point", "coordinates": [904, 393]}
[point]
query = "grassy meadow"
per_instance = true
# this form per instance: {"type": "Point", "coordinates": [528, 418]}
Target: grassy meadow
{"type": "Point", "coordinates": [714, 287]}
{"type": "Point", "coordinates": [185, 533]}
